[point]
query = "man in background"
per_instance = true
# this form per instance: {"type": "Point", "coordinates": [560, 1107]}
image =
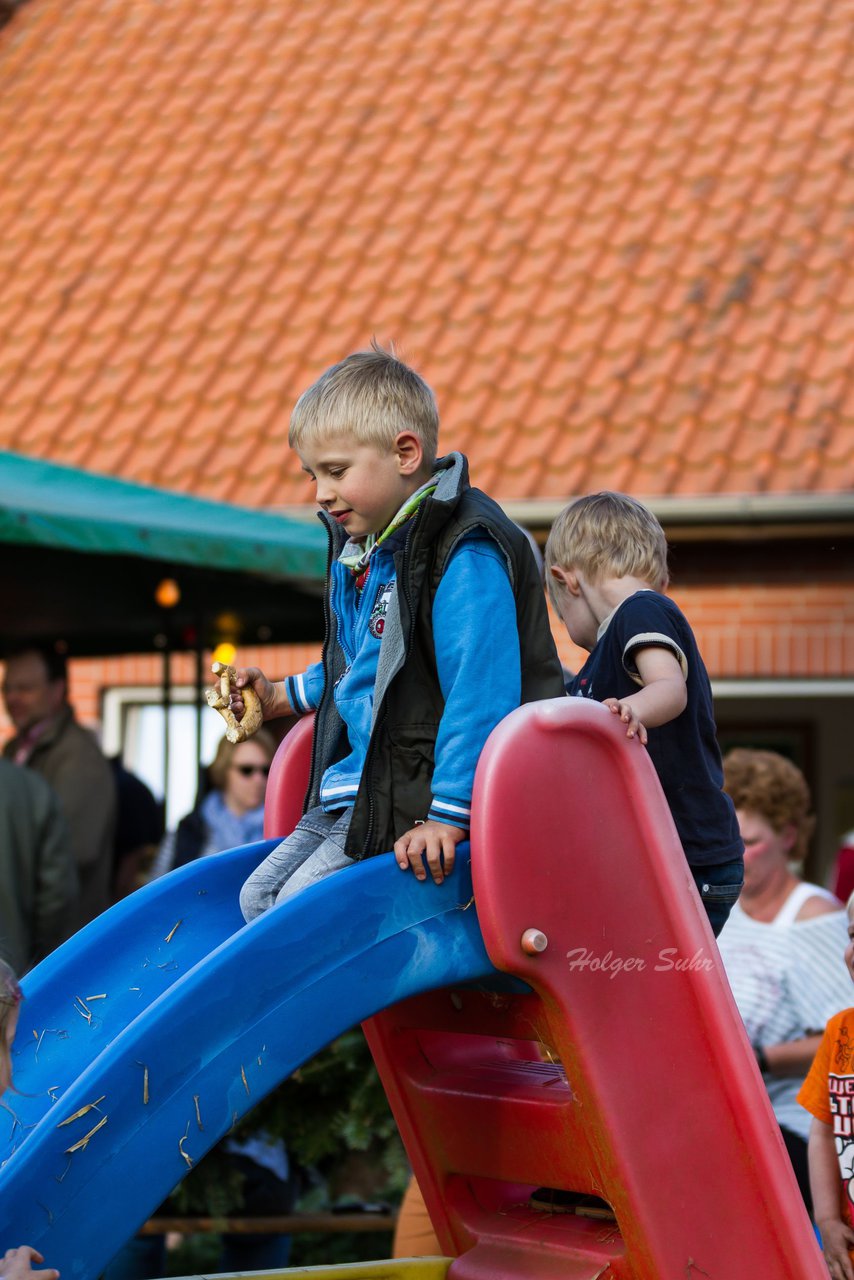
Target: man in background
{"type": "Point", "coordinates": [51, 742]}
{"type": "Point", "coordinates": [38, 877]}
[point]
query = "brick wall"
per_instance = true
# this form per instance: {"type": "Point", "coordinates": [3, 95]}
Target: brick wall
{"type": "Point", "coordinates": [756, 630]}
{"type": "Point", "coordinates": [763, 631]}
{"type": "Point", "coordinates": [773, 631]}
{"type": "Point", "coordinates": [90, 677]}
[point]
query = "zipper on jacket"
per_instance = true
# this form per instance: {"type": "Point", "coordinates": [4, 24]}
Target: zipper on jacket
{"type": "Point", "coordinates": [370, 794]}
{"type": "Point", "coordinates": [327, 640]}
{"type": "Point", "coordinates": [403, 584]}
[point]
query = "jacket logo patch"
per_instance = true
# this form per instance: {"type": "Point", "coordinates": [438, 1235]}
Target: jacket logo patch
{"type": "Point", "coordinates": [376, 623]}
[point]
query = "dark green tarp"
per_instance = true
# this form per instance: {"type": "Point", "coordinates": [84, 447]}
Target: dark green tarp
{"type": "Point", "coordinates": [84, 553]}
{"type": "Point", "coordinates": [42, 504]}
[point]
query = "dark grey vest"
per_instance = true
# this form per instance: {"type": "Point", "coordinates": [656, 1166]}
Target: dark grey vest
{"type": "Point", "coordinates": [396, 786]}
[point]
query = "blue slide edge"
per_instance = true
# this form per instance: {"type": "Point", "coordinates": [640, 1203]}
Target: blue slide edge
{"type": "Point", "coordinates": [146, 1036]}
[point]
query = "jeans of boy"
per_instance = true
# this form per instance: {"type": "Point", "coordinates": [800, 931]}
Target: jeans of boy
{"type": "Point", "coordinates": [719, 886]}
{"type": "Point", "coordinates": [313, 850]}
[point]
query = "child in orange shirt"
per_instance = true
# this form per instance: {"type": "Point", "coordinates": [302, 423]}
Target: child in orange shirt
{"type": "Point", "coordinates": [828, 1094]}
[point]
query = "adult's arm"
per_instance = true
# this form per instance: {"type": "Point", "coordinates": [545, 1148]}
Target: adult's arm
{"type": "Point", "coordinates": [816, 976]}
{"type": "Point", "coordinates": [82, 778]}
{"type": "Point", "coordinates": [56, 881]}
{"type": "Point", "coordinates": [792, 1057]}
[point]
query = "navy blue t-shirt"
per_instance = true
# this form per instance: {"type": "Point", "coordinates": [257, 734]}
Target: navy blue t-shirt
{"type": "Point", "coordinates": [685, 750]}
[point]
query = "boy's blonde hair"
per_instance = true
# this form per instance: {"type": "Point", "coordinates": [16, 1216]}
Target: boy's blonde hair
{"type": "Point", "coordinates": [607, 535]}
{"type": "Point", "coordinates": [371, 396]}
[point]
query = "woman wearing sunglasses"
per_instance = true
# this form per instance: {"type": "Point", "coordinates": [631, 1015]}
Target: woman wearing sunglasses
{"type": "Point", "coordinates": [15, 1264]}
{"type": "Point", "coordinates": [232, 812]}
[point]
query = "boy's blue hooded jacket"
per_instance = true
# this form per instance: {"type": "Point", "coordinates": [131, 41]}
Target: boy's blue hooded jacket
{"type": "Point", "coordinates": [400, 757]}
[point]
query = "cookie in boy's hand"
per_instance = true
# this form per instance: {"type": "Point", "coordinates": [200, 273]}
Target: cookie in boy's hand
{"type": "Point", "coordinates": [220, 700]}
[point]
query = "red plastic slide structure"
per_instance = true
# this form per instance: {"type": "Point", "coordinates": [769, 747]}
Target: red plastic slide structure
{"type": "Point", "coordinates": [619, 1074]}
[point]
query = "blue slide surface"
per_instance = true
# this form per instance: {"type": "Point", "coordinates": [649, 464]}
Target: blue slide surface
{"type": "Point", "coordinates": [145, 1036]}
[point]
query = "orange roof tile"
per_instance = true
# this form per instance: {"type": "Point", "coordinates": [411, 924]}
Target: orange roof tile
{"type": "Point", "coordinates": [616, 238]}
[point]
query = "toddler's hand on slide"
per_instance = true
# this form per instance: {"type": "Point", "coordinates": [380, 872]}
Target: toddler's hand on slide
{"type": "Point", "coordinates": [628, 717]}
{"type": "Point", "coordinates": [435, 840]}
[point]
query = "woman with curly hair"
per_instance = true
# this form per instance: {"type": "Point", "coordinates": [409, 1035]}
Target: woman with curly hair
{"type": "Point", "coordinates": [783, 943]}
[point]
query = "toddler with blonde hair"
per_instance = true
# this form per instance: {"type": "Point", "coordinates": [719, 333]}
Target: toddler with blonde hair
{"type": "Point", "coordinates": [606, 570]}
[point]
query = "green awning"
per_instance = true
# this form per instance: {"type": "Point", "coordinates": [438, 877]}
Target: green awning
{"type": "Point", "coordinates": [84, 554]}
{"type": "Point", "coordinates": [46, 505]}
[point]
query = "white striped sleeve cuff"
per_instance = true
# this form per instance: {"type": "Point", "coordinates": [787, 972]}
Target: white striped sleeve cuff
{"type": "Point", "coordinates": [451, 810]}
{"type": "Point", "coordinates": [297, 697]}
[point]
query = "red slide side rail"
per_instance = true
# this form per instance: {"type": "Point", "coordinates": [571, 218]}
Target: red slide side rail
{"type": "Point", "coordinates": [623, 1073]}
{"type": "Point", "coordinates": [288, 780]}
